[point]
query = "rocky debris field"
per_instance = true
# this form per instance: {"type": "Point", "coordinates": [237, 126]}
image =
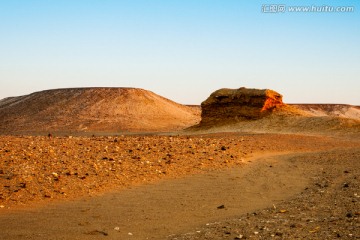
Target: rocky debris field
{"type": "Point", "coordinates": [328, 208]}
{"type": "Point", "coordinates": [36, 169]}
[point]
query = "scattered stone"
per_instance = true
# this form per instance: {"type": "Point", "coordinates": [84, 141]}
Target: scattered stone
{"type": "Point", "coordinates": [301, 217]}
{"type": "Point", "coordinates": [55, 175]}
{"type": "Point", "coordinates": [97, 232]}
{"type": "Point", "coordinates": [349, 215]}
{"type": "Point", "coordinates": [81, 158]}
{"type": "Point", "coordinates": [239, 237]}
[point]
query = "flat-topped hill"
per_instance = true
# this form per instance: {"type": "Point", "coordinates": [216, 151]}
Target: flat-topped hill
{"type": "Point", "coordinates": [263, 111]}
{"type": "Point", "coordinates": [227, 104]}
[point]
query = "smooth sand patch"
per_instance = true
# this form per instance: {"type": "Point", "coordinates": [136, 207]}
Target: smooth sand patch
{"type": "Point", "coordinates": [158, 210]}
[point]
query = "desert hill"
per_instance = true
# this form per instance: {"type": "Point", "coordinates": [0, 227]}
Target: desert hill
{"type": "Point", "coordinates": [103, 110]}
{"type": "Point", "coordinates": [262, 110]}
{"type": "Point", "coordinates": [128, 110]}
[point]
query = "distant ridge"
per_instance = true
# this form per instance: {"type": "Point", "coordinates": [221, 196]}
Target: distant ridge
{"type": "Point", "coordinates": [103, 110]}
{"type": "Point", "coordinates": [332, 110]}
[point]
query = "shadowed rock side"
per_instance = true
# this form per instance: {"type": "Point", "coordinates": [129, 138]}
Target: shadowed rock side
{"type": "Point", "coordinates": [239, 103]}
{"type": "Point", "coordinates": [103, 110]}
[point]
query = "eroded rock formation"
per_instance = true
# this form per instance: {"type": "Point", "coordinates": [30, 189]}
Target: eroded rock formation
{"type": "Point", "coordinates": [232, 104]}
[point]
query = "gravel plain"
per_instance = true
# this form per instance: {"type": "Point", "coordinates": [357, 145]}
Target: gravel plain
{"type": "Point", "coordinates": [36, 171]}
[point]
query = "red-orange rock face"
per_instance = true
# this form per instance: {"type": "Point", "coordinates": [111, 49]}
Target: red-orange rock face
{"type": "Point", "coordinates": [239, 103]}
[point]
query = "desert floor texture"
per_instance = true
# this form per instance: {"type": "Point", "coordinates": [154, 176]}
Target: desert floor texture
{"type": "Point", "coordinates": [211, 186]}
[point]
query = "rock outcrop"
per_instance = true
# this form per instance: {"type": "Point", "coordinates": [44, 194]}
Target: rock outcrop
{"type": "Point", "coordinates": [243, 103]}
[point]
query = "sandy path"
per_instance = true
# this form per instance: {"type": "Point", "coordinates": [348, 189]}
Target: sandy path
{"type": "Point", "coordinates": [160, 210]}
{"type": "Point", "coordinates": [327, 208]}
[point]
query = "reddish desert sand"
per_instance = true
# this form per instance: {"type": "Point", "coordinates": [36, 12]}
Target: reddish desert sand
{"type": "Point", "coordinates": [214, 186]}
{"type": "Point", "coordinates": [291, 172]}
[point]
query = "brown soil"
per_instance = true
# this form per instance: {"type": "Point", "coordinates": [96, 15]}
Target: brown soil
{"type": "Point", "coordinates": [326, 207]}
{"type": "Point", "coordinates": [108, 111]}
{"type": "Point", "coordinates": [289, 119]}
{"type": "Point", "coordinates": [41, 168]}
{"type": "Point", "coordinates": [93, 110]}
{"type": "Point", "coordinates": [216, 182]}
{"type": "Point", "coordinates": [219, 186]}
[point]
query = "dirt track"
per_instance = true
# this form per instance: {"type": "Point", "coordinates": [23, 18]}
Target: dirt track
{"type": "Point", "coordinates": [327, 207]}
{"type": "Point", "coordinates": [184, 203]}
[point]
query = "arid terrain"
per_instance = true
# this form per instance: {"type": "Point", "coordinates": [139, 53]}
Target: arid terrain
{"type": "Point", "coordinates": [93, 111]}
{"type": "Point", "coordinates": [265, 171]}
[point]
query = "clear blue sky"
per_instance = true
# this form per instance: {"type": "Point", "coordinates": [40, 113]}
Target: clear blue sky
{"type": "Point", "coordinates": [181, 49]}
